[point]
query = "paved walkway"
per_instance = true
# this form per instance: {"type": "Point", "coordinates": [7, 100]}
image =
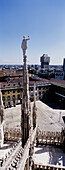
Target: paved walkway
{"type": "Point", "coordinates": [49, 155]}
{"type": "Point", "coordinates": [49, 119]}
{"type": "Point", "coordinates": [6, 148]}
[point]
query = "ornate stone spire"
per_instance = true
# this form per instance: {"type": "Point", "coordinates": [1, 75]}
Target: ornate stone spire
{"type": "Point", "coordinates": [34, 109]}
{"type": "Point", "coordinates": [1, 120]}
{"type": "Point", "coordinates": [1, 108]}
{"type": "Point", "coordinates": [25, 122]}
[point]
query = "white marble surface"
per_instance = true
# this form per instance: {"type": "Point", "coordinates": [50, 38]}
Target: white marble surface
{"type": "Point", "coordinates": [6, 148]}
{"type": "Point", "coordinates": [48, 118]}
{"type": "Point", "coordinates": [49, 155]}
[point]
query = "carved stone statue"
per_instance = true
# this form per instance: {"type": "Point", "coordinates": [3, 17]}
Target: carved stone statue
{"type": "Point", "coordinates": [24, 44]}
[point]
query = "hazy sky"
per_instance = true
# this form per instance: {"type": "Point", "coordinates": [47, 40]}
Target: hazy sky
{"type": "Point", "coordinates": [43, 20]}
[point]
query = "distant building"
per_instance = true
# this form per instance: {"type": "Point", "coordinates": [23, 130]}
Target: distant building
{"type": "Point", "coordinates": [12, 91]}
{"type": "Point", "coordinates": [45, 59]}
{"type": "Point", "coordinates": [59, 74]}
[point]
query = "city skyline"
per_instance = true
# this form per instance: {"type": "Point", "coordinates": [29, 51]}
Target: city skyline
{"type": "Point", "coordinates": [43, 20]}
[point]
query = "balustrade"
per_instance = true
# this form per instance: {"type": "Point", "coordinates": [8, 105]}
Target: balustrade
{"type": "Point", "coordinates": [13, 134]}
{"type": "Point", "coordinates": [54, 138]}
{"type": "Point", "coordinates": [47, 167]}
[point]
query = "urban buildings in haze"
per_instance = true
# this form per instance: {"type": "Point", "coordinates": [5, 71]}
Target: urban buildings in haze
{"type": "Point", "coordinates": [45, 59]}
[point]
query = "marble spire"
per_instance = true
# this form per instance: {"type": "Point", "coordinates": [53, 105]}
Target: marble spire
{"type": "Point", "coordinates": [25, 116]}
{"type": "Point", "coordinates": [1, 120]}
{"type": "Point", "coordinates": [34, 109]}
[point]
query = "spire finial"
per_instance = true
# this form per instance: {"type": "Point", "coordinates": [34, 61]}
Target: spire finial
{"type": "Point", "coordinates": [24, 44]}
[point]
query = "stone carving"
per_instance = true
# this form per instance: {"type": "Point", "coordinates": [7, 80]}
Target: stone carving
{"type": "Point", "coordinates": [1, 121]}
{"type": "Point", "coordinates": [34, 109]}
{"type": "Point", "coordinates": [49, 137]}
{"type": "Point", "coordinates": [24, 44]}
{"type": "Point", "coordinates": [1, 109]}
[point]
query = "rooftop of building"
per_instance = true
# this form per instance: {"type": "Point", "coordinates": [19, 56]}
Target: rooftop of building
{"type": "Point", "coordinates": [13, 117]}
{"type": "Point", "coordinates": [49, 155]}
{"type": "Point", "coordinates": [18, 82]}
{"type": "Point", "coordinates": [58, 82]}
{"type": "Point", "coordinates": [49, 122]}
{"type": "Point", "coordinates": [49, 119]}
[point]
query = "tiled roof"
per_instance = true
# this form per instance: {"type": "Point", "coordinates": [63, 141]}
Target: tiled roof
{"type": "Point", "coordinates": [2, 74]}
{"type": "Point", "coordinates": [16, 82]}
{"type": "Point", "coordinates": [58, 82]}
{"type": "Point", "coordinates": [16, 75]}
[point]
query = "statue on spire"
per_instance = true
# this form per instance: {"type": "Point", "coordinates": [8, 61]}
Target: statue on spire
{"type": "Point", "coordinates": [24, 44]}
{"type": "Point", "coordinates": [25, 102]}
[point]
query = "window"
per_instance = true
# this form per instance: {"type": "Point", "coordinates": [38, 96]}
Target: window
{"type": "Point", "coordinates": [8, 91]}
{"type": "Point", "coordinates": [18, 97]}
{"type": "Point", "coordinates": [13, 97]}
{"type": "Point", "coordinates": [31, 88]}
{"type": "Point", "coordinates": [3, 98]}
{"type": "Point", "coordinates": [39, 93]}
{"type": "Point", "coordinates": [39, 88]}
{"type": "Point", "coordinates": [3, 92]}
{"type": "Point", "coordinates": [8, 98]}
{"type": "Point", "coordinates": [18, 90]}
{"type": "Point", "coordinates": [19, 84]}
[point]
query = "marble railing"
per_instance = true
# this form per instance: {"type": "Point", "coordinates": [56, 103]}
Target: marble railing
{"type": "Point", "coordinates": [18, 157]}
{"type": "Point", "coordinates": [12, 134]}
{"type": "Point", "coordinates": [26, 154]}
{"type": "Point", "coordinates": [47, 167]}
{"type": "Point", "coordinates": [12, 158]}
{"type": "Point", "coordinates": [49, 137]}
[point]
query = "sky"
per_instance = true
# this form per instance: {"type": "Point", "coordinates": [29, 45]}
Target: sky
{"type": "Point", "coordinates": [42, 20]}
